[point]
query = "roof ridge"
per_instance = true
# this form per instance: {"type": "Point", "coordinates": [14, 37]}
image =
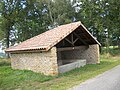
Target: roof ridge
{"type": "Point", "coordinates": [48, 39]}
{"type": "Point", "coordinates": [41, 34]}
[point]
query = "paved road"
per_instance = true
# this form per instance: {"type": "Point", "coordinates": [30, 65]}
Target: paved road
{"type": "Point", "coordinates": [109, 80]}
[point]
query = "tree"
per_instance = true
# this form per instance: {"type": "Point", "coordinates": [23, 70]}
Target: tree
{"type": "Point", "coordinates": [59, 12]}
{"type": "Point", "coordinates": [9, 13]}
{"type": "Point", "coordinates": [101, 18]}
{"type": "Point", "coordinates": [31, 20]}
{"type": "Point", "coordinates": [114, 17]}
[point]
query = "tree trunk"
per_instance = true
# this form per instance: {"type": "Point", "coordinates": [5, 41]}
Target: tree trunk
{"type": "Point", "coordinates": [50, 14]}
{"type": "Point", "coordinates": [7, 37]}
{"type": "Point", "coordinates": [8, 41]}
{"type": "Point", "coordinates": [118, 44]}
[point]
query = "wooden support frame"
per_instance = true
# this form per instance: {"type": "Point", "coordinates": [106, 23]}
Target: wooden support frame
{"type": "Point", "coordinates": [75, 40]}
{"type": "Point", "coordinates": [72, 41]}
{"type": "Point", "coordinates": [63, 42]}
{"type": "Point", "coordinates": [80, 38]}
{"type": "Point", "coordinates": [71, 48]}
{"type": "Point", "coordinates": [68, 41]}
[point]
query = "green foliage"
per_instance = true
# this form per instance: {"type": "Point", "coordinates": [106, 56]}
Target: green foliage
{"type": "Point", "coordinates": [1, 21]}
{"type": "Point", "coordinates": [1, 34]}
{"type": "Point", "coordinates": [30, 21]}
{"type": "Point", "coordinates": [113, 50]}
{"type": "Point", "coordinates": [9, 14]}
{"type": "Point", "coordinates": [102, 19]}
{"type": "Point", "coordinates": [58, 11]}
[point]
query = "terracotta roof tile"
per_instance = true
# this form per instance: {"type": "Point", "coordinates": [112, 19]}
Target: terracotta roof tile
{"type": "Point", "coordinates": [45, 40]}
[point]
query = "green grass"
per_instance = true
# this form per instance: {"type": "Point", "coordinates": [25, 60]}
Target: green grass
{"type": "Point", "coordinates": [27, 80]}
{"type": "Point", "coordinates": [11, 79]}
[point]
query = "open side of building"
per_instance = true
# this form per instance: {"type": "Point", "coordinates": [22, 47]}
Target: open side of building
{"type": "Point", "coordinates": [56, 51]}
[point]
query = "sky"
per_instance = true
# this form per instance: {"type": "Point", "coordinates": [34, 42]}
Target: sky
{"type": "Point", "coordinates": [1, 48]}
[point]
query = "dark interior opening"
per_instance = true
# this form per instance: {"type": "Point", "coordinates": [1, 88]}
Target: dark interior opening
{"type": "Point", "coordinates": [71, 47]}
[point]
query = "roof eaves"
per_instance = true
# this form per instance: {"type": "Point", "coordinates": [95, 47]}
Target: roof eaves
{"type": "Point", "coordinates": [89, 33]}
{"type": "Point", "coordinates": [26, 49]}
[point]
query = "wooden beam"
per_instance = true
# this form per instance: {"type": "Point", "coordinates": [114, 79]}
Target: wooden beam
{"type": "Point", "coordinates": [72, 38]}
{"type": "Point", "coordinates": [72, 48]}
{"type": "Point", "coordinates": [72, 41]}
{"type": "Point", "coordinates": [69, 41]}
{"type": "Point", "coordinates": [80, 38]}
{"type": "Point", "coordinates": [75, 40]}
{"type": "Point", "coordinates": [63, 43]}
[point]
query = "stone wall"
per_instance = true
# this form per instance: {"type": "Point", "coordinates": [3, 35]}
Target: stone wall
{"type": "Point", "coordinates": [91, 54]}
{"type": "Point", "coordinates": [70, 56]}
{"type": "Point", "coordinates": [44, 62]}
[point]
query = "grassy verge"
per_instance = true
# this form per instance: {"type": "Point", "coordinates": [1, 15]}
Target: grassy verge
{"type": "Point", "coordinates": [12, 79]}
{"type": "Point", "coordinates": [28, 80]}
{"type": "Point", "coordinates": [77, 76]}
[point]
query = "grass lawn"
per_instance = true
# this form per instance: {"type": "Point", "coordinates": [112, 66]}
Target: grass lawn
{"type": "Point", "coordinates": [28, 80]}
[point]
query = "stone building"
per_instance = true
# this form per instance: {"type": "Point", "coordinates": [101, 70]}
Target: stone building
{"type": "Point", "coordinates": [56, 51]}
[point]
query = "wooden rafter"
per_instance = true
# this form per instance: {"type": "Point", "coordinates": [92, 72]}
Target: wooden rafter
{"type": "Point", "coordinates": [72, 38]}
{"type": "Point", "coordinates": [68, 41]}
{"type": "Point", "coordinates": [75, 40]}
{"type": "Point", "coordinates": [63, 42]}
{"type": "Point", "coordinates": [80, 38]}
{"type": "Point", "coordinates": [72, 41]}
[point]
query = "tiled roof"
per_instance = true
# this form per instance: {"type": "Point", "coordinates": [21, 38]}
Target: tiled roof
{"type": "Point", "coordinates": [45, 40]}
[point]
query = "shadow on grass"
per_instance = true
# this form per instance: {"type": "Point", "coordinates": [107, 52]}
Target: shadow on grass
{"type": "Point", "coordinates": [4, 63]}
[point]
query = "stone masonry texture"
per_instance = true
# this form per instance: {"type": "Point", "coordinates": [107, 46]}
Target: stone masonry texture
{"type": "Point", "coordinates": [43, 62]}
{"type": "Point", "coordinates": [47, 63]}
{"type": "Point", "coordinates": [91, 54]}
